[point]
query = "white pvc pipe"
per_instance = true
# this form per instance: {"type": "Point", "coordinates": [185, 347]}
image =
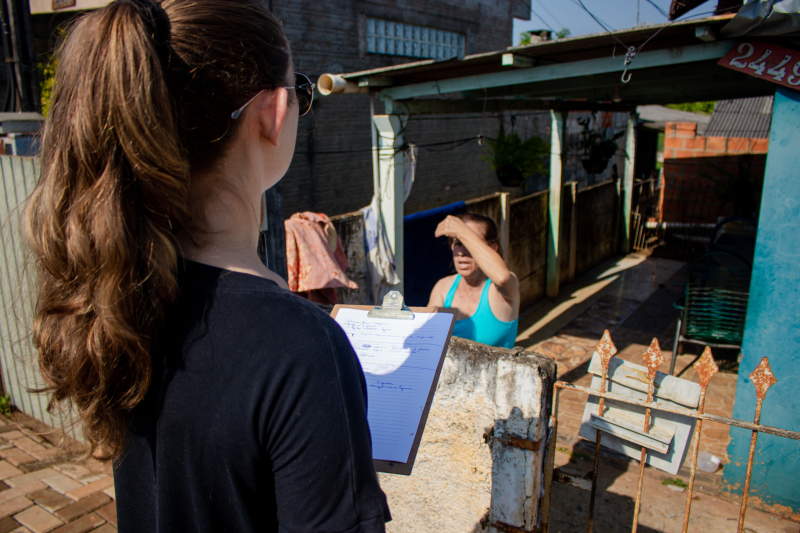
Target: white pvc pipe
{"type": "Point", "coordinates": [336, 84]}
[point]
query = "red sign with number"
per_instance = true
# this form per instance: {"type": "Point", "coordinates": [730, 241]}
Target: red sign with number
{"type": "Point", "coordinates": [763, 60]}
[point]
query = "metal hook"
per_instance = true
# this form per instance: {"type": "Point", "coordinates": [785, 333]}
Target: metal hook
{"type": "Point", "coordinates": [628, 58]}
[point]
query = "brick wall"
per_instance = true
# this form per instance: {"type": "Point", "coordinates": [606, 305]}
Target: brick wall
{"type": "Point", "coordinates": [706, 178]}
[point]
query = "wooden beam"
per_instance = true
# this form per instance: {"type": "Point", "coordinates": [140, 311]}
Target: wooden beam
{"type": "Point", "coordinates": [429, 106]}
{"type": "Point", "coordinates": [505, 222]}
{"type": "Point", "coordinates": [589, 67]}
{"type": "Point", "coordinates": [558, 136]}
{"type": "Point", "coordinates": [627, 185]}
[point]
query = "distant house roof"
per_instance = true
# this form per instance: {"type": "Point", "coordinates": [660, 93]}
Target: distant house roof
{"type": "Point", "coordinates": [743, 117]}
{"type": "Point", "coordinates": [657, 116]}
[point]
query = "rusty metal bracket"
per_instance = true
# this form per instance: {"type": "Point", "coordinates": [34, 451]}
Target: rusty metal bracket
{"type": "Point", "coordinates": [518, 442]}
{"type": "Point", "coordinates": [512, 440]}
{"type": "Point", "coordinates": [507, 528]}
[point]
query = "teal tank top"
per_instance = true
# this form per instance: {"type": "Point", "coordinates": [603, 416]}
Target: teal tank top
{"type": "Point", "coordinates": [483, 326]}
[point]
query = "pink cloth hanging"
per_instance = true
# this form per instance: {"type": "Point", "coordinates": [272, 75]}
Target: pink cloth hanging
{"type": "Point", "coordinates": [315, 256]}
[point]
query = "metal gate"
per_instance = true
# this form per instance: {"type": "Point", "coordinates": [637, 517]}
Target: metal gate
{"type": "Point", "coordinates": [762, 378]}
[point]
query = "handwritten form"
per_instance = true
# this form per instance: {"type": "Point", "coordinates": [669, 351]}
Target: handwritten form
{"type": "Point", "coordinates": [399, 358]}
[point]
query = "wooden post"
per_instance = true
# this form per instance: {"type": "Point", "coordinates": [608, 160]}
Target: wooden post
{"type": "Point", "coordinates": [389, 139]}
{"type": "Point", "coordinates": [573, 230]}
{"type": "Point", "coordinates": [505, 222]}
{"type": "Point", "coordinates": [558, 131]}
{"type": "Point", "coordinates": [627, 186]}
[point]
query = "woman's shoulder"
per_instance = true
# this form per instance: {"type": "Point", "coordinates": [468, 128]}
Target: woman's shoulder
{"type": "Point", "coordinates": [250, 301]}
{"type": "Point", "coordinates": [446, 282]}
{"type": "Point", "coordinates": [440, 290]}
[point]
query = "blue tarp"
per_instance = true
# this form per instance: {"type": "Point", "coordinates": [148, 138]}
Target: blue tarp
{"type": "Point", "coordinates": [427, 259]}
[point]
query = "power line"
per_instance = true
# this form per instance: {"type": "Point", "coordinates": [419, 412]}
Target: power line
{"type": "Point", "coordinates": [658, 8]}
{"type": "Point", "coordinates": [543, 21]}
{"type": "Point", "coordinates": [548, 12]}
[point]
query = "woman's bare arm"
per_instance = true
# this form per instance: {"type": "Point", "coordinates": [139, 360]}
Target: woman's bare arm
{"type": "Point", "coordinates": [438, 293]}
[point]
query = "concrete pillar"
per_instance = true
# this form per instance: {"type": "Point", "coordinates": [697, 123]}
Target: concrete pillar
{"type": "Point", "coordinates": [389, 182]}
{"type": "Point", "coordinates": [468, 477]}
{"type": "Point", "coordinates": [627, 185]}
{"type": "Point", "coordinates": [558, 131]}
{"type": "Point", "coordinates": [773, 326]}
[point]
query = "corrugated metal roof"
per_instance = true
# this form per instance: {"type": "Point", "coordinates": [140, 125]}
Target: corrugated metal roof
{"type": "Point", "coordinates": [744, 117]}
{"type": "Point", "coordinates": [656, 117]}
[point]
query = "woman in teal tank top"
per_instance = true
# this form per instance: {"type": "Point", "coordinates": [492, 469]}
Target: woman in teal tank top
{"type": "Point", "coordinates": [484, 290]}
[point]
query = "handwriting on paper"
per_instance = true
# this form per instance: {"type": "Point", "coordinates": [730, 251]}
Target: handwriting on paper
{"type": "Point", "coordinates": [399, 359]}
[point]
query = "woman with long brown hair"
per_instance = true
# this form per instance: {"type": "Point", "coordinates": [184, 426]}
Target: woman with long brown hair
{"type": "Point", "coordinates": [225, 402]}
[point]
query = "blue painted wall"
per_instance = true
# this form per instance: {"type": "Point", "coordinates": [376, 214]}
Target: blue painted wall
{"type": "Point", "coordinates": [773, 324]}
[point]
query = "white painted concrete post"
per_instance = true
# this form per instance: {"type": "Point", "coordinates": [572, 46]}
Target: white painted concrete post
{"type": "Point", "coordinates": [468, 476]}
{"type": "Point", "coordinates": [627, 186]}
{"type": "Point", "coordinates": [558, 130]}
{"type": "Point", "coordinates": [390, 184]}
{"type": "Point", "coordinates": [517, 474]}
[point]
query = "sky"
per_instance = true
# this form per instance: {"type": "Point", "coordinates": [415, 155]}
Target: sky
{"type": "Point", "coordinates": [616, 14]}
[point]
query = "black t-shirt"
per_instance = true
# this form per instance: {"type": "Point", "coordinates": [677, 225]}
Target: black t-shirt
{"type": "Point", "coordinates": [255, 421]}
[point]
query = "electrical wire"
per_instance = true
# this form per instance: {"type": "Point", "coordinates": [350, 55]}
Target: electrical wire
{"type": "Point", "coordinates": [455, 143]}
{"type": "Point", "coordinates": [658, 8]}
{"type": "Point", "coordinates": [543, 21]}
{"type": "Point", "coordinates": [548, 12]}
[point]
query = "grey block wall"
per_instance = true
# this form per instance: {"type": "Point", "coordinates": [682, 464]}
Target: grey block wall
{"type": "Point", "coordinates": [332, 168]}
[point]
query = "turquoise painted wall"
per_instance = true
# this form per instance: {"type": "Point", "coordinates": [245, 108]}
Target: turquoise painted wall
{"type": "Point", "coordinates": [773, 323]}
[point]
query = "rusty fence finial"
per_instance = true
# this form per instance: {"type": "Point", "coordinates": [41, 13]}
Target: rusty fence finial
{"type": "Point", "coordinates": [653, 358]}
{"type": "Point", "coordinates": [705, 368]}
{"type": "Point", "coordinates": [762, 378]}
{"type": "Point", "coordinates": [606, 350]}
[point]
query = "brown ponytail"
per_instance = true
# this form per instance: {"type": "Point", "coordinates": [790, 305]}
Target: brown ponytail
{"type": "Point", "coordinates": [131, 117]}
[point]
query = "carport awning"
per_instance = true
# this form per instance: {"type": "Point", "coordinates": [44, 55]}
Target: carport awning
{"type": "Point", "coordinates": [674, 63]}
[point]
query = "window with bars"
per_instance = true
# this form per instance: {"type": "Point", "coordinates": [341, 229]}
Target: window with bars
{"type": "Point", "coordinates": [398, 39]}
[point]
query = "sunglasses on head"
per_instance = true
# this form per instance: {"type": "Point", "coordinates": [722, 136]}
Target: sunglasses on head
{"type": "Point", "coordinates": [304, 89]}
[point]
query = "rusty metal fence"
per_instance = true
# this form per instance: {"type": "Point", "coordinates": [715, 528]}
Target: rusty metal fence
{"type": "Point", "coordinates": [762, 378]}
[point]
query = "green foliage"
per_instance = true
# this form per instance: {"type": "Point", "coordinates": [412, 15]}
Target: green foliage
{"type": "Point", "coordinates": [510, 155]}
{"type": "Point", "coordinates": [525, 37]}
{"type": "Point", "coordinates": [5, 405]}
{"type": "Point", "coordinates": [47, 70]}
{"type": "Point", "coordinates": [594, 144]}
{"type": "Point", "coordinates": [678, 482]}
{"type": "Point", "coordinates": [701, 108]}
{"type": "Point", "coordinates": [574, 455]}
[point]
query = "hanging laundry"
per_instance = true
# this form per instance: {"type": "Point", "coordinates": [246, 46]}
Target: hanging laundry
{"type": "Point", "coordinates": [382, 273]}
{"type": "Point", "coordinates": [409, 169]}
{"type": "Point", "coordinates": [315, 258]}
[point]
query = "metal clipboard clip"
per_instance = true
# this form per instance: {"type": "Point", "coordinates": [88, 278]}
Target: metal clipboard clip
{"type": "Point", "coordinates": [393, 307]}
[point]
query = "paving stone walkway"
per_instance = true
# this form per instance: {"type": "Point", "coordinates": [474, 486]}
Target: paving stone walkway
{"type": "Point", "coordinates": [42, 492]}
